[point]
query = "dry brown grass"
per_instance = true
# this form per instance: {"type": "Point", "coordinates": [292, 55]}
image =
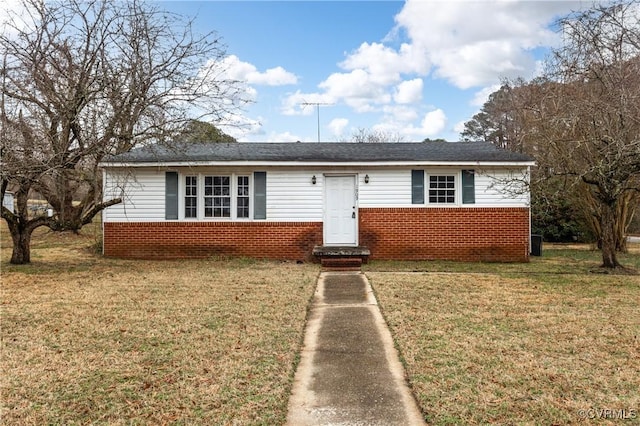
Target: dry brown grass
{"type": "Point", "coordinates": [93, 340]}
{"type": "Point", "coordinates": [517, 347]}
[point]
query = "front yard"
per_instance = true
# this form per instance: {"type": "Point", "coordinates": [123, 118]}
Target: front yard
{"type": "Point", "coordinates": [93, 340]}
{"type": "Point", "coordinates": [548, 342]}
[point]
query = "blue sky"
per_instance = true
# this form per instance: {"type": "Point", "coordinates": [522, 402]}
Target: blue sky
{"type": "Point", "coordinates": [417, 69]}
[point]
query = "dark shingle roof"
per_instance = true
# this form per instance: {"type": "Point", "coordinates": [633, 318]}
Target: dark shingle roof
{"type": "Point", "coordinates": [339, 152]}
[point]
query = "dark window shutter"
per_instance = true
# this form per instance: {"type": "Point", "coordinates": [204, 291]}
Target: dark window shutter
{"type": "Point", "coordinates": [468, 187]}
{"type": "Point", "coordinates": [259, 195]}
{"type": "Point", "coordinates": [171, 196]}
{"type": "Point", "coordinates": [417, 186]}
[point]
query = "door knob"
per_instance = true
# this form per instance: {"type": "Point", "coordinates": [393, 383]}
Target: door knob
{"type": "Point", "coordinates": [353, 215]}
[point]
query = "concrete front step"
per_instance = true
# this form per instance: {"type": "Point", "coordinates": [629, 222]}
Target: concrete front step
{"type": "Point", "coordinates": [341, 258]}
{"type": "Point", "coordinates": [341, 263]}
{"type": "Point", "coordinates": [341, 251]}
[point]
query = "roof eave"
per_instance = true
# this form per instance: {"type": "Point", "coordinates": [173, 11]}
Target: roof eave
{"type": "Point", "coordinates": [169, 164]}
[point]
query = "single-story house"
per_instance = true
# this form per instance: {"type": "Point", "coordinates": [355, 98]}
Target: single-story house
{"type": "Point", "coordinates": [433, 200]}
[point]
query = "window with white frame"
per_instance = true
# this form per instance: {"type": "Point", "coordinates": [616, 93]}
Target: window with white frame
{"type": "Point", "coordinates": [217, 196]}
{"type": "Point", "coordinates": [442, 189]}
{"type": "Point", "coordinates": [224, 196]}
{"type": "Point", "coordinates": [242, 203]}
{"type": "Point", "coordinates": [191, 197]}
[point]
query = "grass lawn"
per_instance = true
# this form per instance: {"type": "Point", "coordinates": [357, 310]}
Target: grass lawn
{"type": "Point", "coordinates": [86, 339]}
{"type": "Point", "coordinates": [549, 342]}
{"type": "Point", "coordinates": [93, 340]}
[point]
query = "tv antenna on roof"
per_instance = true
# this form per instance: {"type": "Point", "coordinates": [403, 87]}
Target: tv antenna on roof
{"type": "Point", "coordinates": [317, 105]}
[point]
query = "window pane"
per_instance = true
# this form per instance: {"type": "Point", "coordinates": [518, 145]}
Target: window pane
{"type": "Point", "coordinates": [191, 197]}
{"type": "Point", "coordinates": [243, 207]}
{"type": "Point", "coordinates": [242, 199]}
{"type": "Point", "coordinates": [468, 187]}
{"type": "Point", "coordinates": [217, 199]}
{"type": "Point", "coordinates": [442, 189]}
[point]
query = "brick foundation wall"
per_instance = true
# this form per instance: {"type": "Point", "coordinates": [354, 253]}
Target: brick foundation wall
{"type": "Point", "coordinates": [174, 240]}
{"type": "Point", "coordinates": [466, 234]}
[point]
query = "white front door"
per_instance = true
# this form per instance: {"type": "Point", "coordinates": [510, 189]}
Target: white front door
{"type": "Point", "coordinates": [341, 216]}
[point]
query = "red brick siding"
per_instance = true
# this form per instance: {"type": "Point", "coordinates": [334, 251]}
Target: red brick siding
{"type": "Point", "coordinates": [174, 240]}
{"type": "Point", "coordinates": [468, 234]}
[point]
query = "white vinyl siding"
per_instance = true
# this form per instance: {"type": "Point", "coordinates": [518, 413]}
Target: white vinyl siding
{"type": "Point", "coordinates": [386, 188]}
{"type": "Point", "coordinates": [291, 196]}
{"type": "Point", "coordinates": [143, 199]}
{"type": "Point", "coordinates": [392, 188]}
{"type": "Point", "coordinates": [493, 189]}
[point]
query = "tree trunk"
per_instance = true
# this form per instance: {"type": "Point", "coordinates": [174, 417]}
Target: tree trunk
{"type": "Point", "coordinates": [21, 229]}
{"type": "Point", "coordinates": [608, 237]}
{"type": "Point", "coordinates": [623, 215]}
{"type": "Point", "coordinates": [21, 236]}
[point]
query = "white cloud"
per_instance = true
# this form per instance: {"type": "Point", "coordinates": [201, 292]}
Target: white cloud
{"type": "Point", "coordinates": [277, 76]}
{"type": "Point", "coordinates": [409, 92]}
{"type": "Point", "coordinates": [371, 71]}
{"type": "Point", "coordinates": [357, 89]}
{"type": "Point", "coordinates": [401, 114]}
{"type": "Point", "coordinates": [482, 96]}
{"type": "Point", "coordinates": [482, 63]}
{"type": "Point", "coordinates": [299, 103]}
{"type": "Point", "coordinates": [459, 127]}
{"type": "Point", "coordinates": [434, 122]}
{"type": "Point", "coordinates": [337, 126]}
{"type": "Point", "coordinates": [465, 43]}
{"type": "Point", "coordinates": [284, 137]}
{"type": "Point", "coordinates": [475, 43]}
{"type": "Point", "coordinates": [242, 128]}
{"type": "Point", "coordinates": [383, 64]}
{"type": "Point", "coordinates": [246, 72]}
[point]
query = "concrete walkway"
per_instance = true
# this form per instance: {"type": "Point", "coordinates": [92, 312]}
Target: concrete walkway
{"type": "Point", "coordinates": [349, 372]}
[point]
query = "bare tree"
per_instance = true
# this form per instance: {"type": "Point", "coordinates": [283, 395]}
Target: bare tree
{"type": "Point", "coordinates": [581, 120]}
{"type": "Point", "coordinates": [363, 135]}
{"type": "Point", "coordinates": [84, 79]}
{"type": "Point", "coordinates": [593, 113]}
{"type": "Point", "coordinates": [511, 119]}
